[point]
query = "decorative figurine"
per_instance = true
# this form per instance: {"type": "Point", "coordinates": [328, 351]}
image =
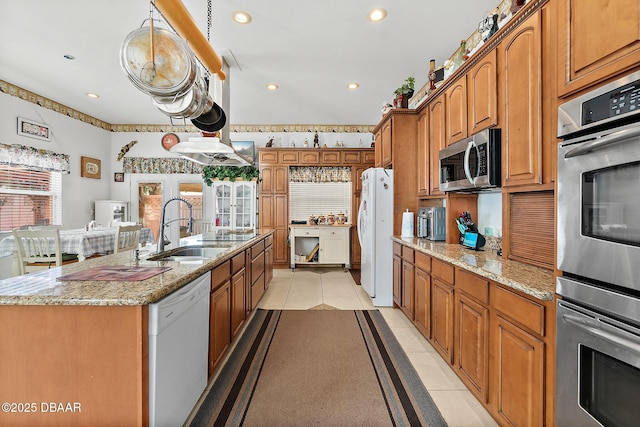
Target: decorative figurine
{"type": "Point", "coordinates": [432, 75]}
{"type": "Point", "coordinates": [270, 142]}
{"type": "Point", "coordinates": [316, 142]}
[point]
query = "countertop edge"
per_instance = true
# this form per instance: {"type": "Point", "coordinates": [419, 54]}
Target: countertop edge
{"type": "Point", "coordinates": [531, 282]}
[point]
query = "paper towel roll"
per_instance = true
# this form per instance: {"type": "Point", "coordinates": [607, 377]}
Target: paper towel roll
{"type": "Point", "coordinates": [407, 224]}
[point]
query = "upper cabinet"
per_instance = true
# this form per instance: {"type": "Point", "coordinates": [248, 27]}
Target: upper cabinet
{"type": "Point", "coordinates": [482, 94]}
{"type": "Point", "coordinates": [456, 110]}
{"type": "Point", "coordinates": [423, 153]}
{"type": "Point", "coordinates": [437, 141]}
{"type": "Point", "coordinates": [599, 39]}
{"type": "Point", "coordinates": [519, 54]}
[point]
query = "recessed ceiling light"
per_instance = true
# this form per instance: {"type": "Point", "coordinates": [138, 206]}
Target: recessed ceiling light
{"type": "Point", "coordinates": [241, 17]}
{"type": "Point", "coordinates": [69, 57]}
{"type": "Point", "coordinates": [377, 15]}
{"type": "Point", "coordinates": [92, 95]}
{"type": "Point", "coordinates": [272, 86]}
{"type": "Point", "coordinates": [353, 85]}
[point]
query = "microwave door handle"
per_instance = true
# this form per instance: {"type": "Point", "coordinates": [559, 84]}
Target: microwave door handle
{"type": "Point", "coordinates": [603, 142]}
{"type": "Point", "coordinates": [467, 169]}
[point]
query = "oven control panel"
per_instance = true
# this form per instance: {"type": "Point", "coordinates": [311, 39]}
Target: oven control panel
{"type": "Point", "coordinates": [615, 103]}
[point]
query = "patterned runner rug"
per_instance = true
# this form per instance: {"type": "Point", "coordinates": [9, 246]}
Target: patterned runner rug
{"type": "Point", "coordinates": [318, 367]}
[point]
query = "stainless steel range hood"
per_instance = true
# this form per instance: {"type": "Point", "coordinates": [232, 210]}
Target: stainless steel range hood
{"type": "Point", "coordinates": [209, 151]}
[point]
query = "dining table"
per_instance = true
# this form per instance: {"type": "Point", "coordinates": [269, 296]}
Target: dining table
{"type": "Point", "coordinates": [84, 243]}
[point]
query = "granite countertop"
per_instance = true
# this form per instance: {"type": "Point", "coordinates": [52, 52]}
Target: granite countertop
{"type": "Point", "coordinates": [43, 288]}
{"type": "Point", "coordinates": [535, 281]}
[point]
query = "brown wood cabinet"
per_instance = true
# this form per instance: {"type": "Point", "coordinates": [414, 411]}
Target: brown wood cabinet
{"type": "Point", "coordinates": [408, 283]}
{"type": "Point", "coordinates": [598, 39]}
{"type": "Point", "coordinates": [482, 94]}
{"type": "Point", "coordinates": [387, 155]}
{"type": "Point", "coordinates": [422, 300]}
{"type": "Point", "coordinates": [219, 315]}
{"type": "Point", "coordinates": [442, 309]}
{"type": "Point", "coordinates": [256, 252]}
{"type": "Point", "coordinates": [238, 293]}
{"type": "Point", "coordinates": [437, 141]}
{"type": "Point", "coordinates": [456, 110]}
{"type": "Point", "coordinates": [268, 260]}
{"type": "Point", "coordinates": [397, 274]}
{"type": "Point", "coordinates": [423, 153]}
{"type": "Point", "coordinates": [519, 54]}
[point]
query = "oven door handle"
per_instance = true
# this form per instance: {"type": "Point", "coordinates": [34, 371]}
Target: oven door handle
{"type": "Point", "coordinates": [614, 336]}
{"type": "Point", "coordinates": [603, 142]}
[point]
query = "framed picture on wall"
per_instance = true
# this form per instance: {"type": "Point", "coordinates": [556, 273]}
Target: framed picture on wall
{"type": "Point", "coordinates": [33, 129]}
{"type": "Point", "coordinates": [246, 149]}
{"type": "Point", "coordinates": [89, 168]}
{"type": "Point", "coordinates": [118, 177]}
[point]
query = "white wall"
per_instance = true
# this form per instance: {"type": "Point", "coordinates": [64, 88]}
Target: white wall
{"type": "Point", "coordinates": [68, 136]}
{"type": "Point", "coordinates": [490, 213]}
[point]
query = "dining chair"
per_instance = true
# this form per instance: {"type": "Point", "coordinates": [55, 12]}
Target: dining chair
{"type": "Point", "coordinates": [127, 238]}
{"type": "Point", "coordinates": [35, 251]}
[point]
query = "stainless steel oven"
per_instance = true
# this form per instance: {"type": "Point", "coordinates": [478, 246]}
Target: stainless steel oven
{"type": "Point", "coordinates": [598, 251]}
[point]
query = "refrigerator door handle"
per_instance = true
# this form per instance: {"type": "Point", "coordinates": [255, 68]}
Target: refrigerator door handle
{"type": "Point", "coordinates": [358, 225]}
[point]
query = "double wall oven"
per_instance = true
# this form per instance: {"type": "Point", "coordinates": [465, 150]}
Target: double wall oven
{"type": "Point", "coordinates": [598, 251]}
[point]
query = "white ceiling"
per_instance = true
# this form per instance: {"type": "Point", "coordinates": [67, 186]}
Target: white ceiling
{"type": "Point", "coordinates": [311, 49]}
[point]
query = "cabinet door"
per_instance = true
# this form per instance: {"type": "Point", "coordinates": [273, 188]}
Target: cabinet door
{"type": "Point", "coordinates": [519, 375]}
{"type": "Point", "coordinates": [238, 301]}
{"type": "Point", "coordinates": [422, 306]}
{"type": "Point", "coordinates": [265, 217]}
{"type": "Point", "coordinates": [397, 281]}
{"type": "Point", "coordinates": [244, 201]}
{"type": "Point", "coordinates": [482, 94]}
{"type": "Point", "coordinates": [268, 265]}
{"type": "Point", "coordinates": [334, 246]}
{"type": "Point", "coordinates": [356, 250]}
{"type": "Point", "coordinates": [423, 153]}
{"type": "Point", "coordinates": [219, 324]}
{"type": "Point", "coordinates": [442, 308]}
{"type": "Point", "coordinates": [310, 157]}
{"type": "Point", "coordinates": [386, 143]}
{"type": "Point", "coordinates": [597, 39]}
{"type": "Point", "coordinates": [456, 111]}
{"type": "Point", "coordinates": [223, 200]}
{"type": "Point", "coordinates": [281, 211]}
{"type": "Point", "coordinates": [521, 87]}
{"type": "Point", "coordinates": [437, 140]}
{"type": "Point", "coordinates": [267, 185]}
{"type": "Point", "coordinates": [281, 179]}
{"type": "Point", "coordinates": [378, 148]}
{"type": "Point", "coordinates": [408, 282]}
{"type": "Point", "coordinates": [281, 249]}
{"type": "Point", "coordinates": [472, 359]}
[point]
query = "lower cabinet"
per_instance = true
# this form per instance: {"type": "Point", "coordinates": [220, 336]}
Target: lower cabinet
{"type": "Point", "coordinates": [500, 342]}
{"type": "Point", "coordinates": [238, 293]}
{"type": "Point", "coordinates": [219, 315]}
{"type": "Point", "coordinates": [268, 261]}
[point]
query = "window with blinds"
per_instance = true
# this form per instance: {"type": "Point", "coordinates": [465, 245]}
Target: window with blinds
{"type": "Point", "coordinates": [319, 198]}
{"type": "Point", "coordinates": [29, 198]}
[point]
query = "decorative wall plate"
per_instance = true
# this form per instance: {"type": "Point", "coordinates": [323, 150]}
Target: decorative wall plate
{"type": "Point", "coordinates": [169, 140]}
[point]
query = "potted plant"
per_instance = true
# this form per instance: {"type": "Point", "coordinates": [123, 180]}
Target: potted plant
{"type": "Point", "coordinates": [404, 92]}
{"type": "Point", "coordinates": [230, 173]}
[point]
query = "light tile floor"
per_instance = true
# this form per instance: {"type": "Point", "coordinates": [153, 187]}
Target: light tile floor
{"type": "Point", "coordinates": [306, 288]}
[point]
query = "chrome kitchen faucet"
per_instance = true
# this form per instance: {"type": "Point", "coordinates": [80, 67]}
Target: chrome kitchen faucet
{"type": "Point", "coordinates": [162, 240]}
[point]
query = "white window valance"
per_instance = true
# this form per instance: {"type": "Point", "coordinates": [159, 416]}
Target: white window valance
{"type": "Point", "coordinates": [33, 158]}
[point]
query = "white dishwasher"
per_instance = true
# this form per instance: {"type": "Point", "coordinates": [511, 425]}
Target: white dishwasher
{"type": "Point", "coordinates": [178, 352]}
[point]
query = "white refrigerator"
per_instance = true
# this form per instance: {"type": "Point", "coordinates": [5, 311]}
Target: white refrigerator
{"type": "Point", "coordinates": [375, 228]}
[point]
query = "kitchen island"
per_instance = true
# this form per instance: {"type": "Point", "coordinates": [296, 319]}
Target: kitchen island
{"type": "Point", "coordinates": [76, 352]}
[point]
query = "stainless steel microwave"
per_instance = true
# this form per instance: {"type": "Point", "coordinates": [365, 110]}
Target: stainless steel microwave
{"type": "Point", "coordinates": [472, 164]}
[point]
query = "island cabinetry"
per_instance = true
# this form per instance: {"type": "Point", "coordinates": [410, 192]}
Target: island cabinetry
{"type": "Point", "coordinates": [220, 312]}
{"type": "Point", "coordinates": [520, 56]}
{"type": "Point", "coordinates": [238, 292]}
{"type": "Point", "coordinates": [456, 110]}
{"type": "Point", "coordinates": [257, 272]}
{"type": "Point", "coordinates": [472, 332]}
{"type": "Point", "coordinates": [598, 39]}
{"type": "Point", "coordinates": [268, 260]}
{"type": "Point", "coordinates": [422, 300]}
{"type": "Point", "coordinates": [442, 308]}
{"type": "Point", "coordinates": [103, 375]}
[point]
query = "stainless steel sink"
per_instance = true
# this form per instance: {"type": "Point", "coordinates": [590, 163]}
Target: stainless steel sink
{"type": "Point", "coordinates": [189, 253]}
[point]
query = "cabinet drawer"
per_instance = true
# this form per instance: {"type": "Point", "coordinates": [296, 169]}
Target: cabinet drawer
{"type": "Point", "coordinates": [524, 311]}
{"type": "Point", "coordinates": [238, 262]}
{"type": "Point", "coordinates": [423, 262]}
{"type": "Point", "coordinates": [257, 248]}
{"type": "Point", "coordinates": [473, 285]}
{"type": "Point", "coordinates": [397, 249]}
{"type": "Point", "coordinates": [220, 274]}
{"type": "Point", "coordinates": [288, 157]}
{"type": "Point", "coordinates": [407, 254]}
{"type": "Point", "coordinates": [257, 267]}
{"type": "Point", "coordinates": [442, 270]}
{"type": "Point", "coordinates": [307, 232]}
{"type": "Point", "coordinates": [268, 241]}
